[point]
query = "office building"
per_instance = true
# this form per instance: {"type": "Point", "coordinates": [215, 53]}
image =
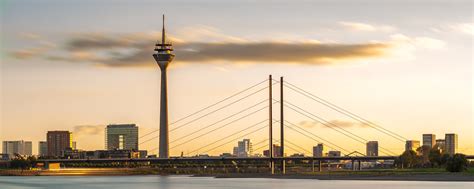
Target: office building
{"type": "Point", "coordinates": [121, 137]}
{"type": "Point", "coordinates": [412, 145]}
{"type": "Point", "coordinates": [42, 148]}
{"type": "Point", "coordinates": [429, 140]}
{"type": "Point", "coordinates": [58, 141]}
{"type": "Point", "coordinates": [451, 143]}
{"type": "Point", "coordinates": [372, 148]}
{"type": "Point", "coordinates": [276, 151]}
{"type": "Point", "coordinates": [17, 147]}
{"type": "Point", "coordinates": [243, 148]}
{"type": "Point", "coordinates": [318, 151]}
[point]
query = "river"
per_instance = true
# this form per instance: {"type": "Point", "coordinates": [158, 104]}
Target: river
{"type": "Point", "coordinates": [184, 182]}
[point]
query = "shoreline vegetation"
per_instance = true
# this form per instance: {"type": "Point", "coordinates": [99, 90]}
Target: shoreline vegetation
{"type": "Point", "coordinates": [430, 174]}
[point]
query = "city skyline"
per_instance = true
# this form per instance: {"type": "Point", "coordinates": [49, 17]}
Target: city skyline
{"type": "Point", "coordinates": [404, 69]}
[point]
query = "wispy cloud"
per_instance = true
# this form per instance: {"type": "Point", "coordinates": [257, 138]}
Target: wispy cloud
{"type": "Point", "coordinates": [208, 45]}
{"type": "Point", "coordinates": [359, 26]}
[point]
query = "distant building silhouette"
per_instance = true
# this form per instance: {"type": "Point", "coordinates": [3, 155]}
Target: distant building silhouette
{"type": "Point", "coordinates": [412, 145]}
{"type": "Point", "coordinates": [121, 137]}
{"type": "Point", "coordinates": [441, 145]}
{"type": "Point", "coordinates": [17, 147]}
{"type": "Point", "coordinates": [42, 148]}
{"type": "Point", "coordinates": [243, 148]}
{"type": "Point", "coordinates": [318, 151]}
{"type": "Point", "coordinates": [372, 148]}
{"type": "Point", "coordinates": [451, 143]}
{"type": "Point", "coordinates": [58, 141]}
{"type": "Point", "coordinates": [276, 151]}
{"type": "Point", "coordinates": [334, 154]}
{"type": "Point", "coordinates": [429, 140]}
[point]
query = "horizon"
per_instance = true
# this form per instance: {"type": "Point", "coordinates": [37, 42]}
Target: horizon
{"type": "Point", "coordinates": [81, 66]}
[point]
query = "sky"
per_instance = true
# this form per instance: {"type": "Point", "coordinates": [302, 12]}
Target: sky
{"type": "Point", "coordinates": [80, 65]}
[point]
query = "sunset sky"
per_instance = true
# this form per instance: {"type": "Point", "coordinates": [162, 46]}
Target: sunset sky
{"type": "Point", "coordinates": [80, 65]}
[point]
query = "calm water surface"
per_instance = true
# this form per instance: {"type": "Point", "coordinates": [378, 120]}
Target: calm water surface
{"type": "Point", "coordinates": [183, 182]}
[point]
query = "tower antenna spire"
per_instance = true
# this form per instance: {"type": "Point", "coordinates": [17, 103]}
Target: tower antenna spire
{"type": "Point", "coordinates": [163, 32]}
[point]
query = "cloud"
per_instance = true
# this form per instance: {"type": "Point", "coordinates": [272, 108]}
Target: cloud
{"type": "Point", "coordinates": [82, 130]}
{"type": "Point", "coordinates": [339, 123]}
{"type": "Point", "coordinates": [466, 28]}
{"type": "Point", "coordinates": [358, 26]}
{"type": "Point", "coordinates": [124, 51]}
{"type": "Point", "coordinates": [208, 45]}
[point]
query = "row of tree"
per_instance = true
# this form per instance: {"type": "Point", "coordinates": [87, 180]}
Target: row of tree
{"type": "Point", "coordinates": [432, 157]}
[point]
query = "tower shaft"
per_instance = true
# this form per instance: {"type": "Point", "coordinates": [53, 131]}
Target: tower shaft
{"type": "Point", "coordinates": [164, 138]}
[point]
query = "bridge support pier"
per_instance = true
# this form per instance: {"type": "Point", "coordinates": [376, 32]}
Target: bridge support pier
{"type": "Point", "coordinates": [359, 166]}
{"type": "Point", "coordinates": [353, 165]}
{"type": "Point", "coordinates": [312, 165]}
{"type": "Point", "coordinates": [320, 165]}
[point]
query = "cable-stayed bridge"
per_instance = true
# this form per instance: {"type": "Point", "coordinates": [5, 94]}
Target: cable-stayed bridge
{"type": "Point", "coordinates": [228, 128]}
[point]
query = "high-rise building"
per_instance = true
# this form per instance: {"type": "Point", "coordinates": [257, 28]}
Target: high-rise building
{"type": "Point", "coordinates": [412, 145]}
{"type": "Point", "coordinates": [429, 140]}
{"type": "Point", "coordinates": [276, 150]}
{"type": "Point", "coordinates": [244, 148]}
{"type": "Point", "coordinates": [318, 151]}
{"type": "Point", "coordinates": [58, 141]}
{"type": "Point", "coordinates": [372, 148]}
{"type": "Point", "coordinates": [121, 137]}
{"type": "Point", "coordinates": [451, 143]}
{"type": "Point", "coordinates": [17, 147]}
{"type": "Point", "coordinates": [42, 148]}
{"type": "Point", "coordinates": [334, 154]}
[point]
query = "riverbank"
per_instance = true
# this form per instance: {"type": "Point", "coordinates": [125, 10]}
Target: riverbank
{"type": "Point", "coordinates": [389, 175]}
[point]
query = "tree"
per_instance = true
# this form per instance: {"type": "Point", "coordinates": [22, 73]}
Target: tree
{"type": "Point", "coordinates": [425, 154]}
{"type": "Point", "coordinates": [457, 163]}
{"type": "Point", "coordinates": [409, 159]}
{"type": "Point", "coordinates": [444, 159]}
{"type": "Point", "coordinates": [435, 157]}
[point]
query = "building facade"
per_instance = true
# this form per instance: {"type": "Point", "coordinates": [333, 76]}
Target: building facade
{"type": "Point", "coordinates": [372, 148]}
{"type": "Point", "coordinates": [318, 151]}
{"type": "Point", "coordinates": [429, 140]}
{"type": "Point", "coordinates": [451, 143]}
{"type": "Point", "coordinates": [244, 148]}
{"type": "Point", "coordinates": [412, 145]}
{"type": "Point", "coordinates": [121, 137]}
{"type": "Point", "coordinates": [441, 145]}
{"type": "Point", "coordinates": [42, 148]}
{"type": "Point", "coordinates": [276, 151]}
{"type": "Point", "coordinates": [334, 154]}
{"type": "Point", "coordinates": [58, 141]}
{"type": "Point", "coordinates": [17, 147]}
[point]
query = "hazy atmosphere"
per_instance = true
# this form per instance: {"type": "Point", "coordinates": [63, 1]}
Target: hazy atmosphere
{"type": "Point", "coordinates": [80, 65]}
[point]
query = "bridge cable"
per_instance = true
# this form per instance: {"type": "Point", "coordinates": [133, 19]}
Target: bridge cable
{"type": "Point", "coordinates": [325, 123]}
{"type": "Point", "coordinates": [345, 112]}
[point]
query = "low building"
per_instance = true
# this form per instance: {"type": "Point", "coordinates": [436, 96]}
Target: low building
{"type": "Point", "coordinates": [276, 151]}
{"type": "Point", "coordinates": [42, 148]}
{"type": "Point", "coordinates": [412, 145]}
{"type": "Point", "coordinates": [334, 154]}
{"type": "Point", "coordinates": [441, 145]}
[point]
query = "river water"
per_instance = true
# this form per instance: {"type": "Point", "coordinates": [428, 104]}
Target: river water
{"type": "Point", "coordinates": [184, 182]}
